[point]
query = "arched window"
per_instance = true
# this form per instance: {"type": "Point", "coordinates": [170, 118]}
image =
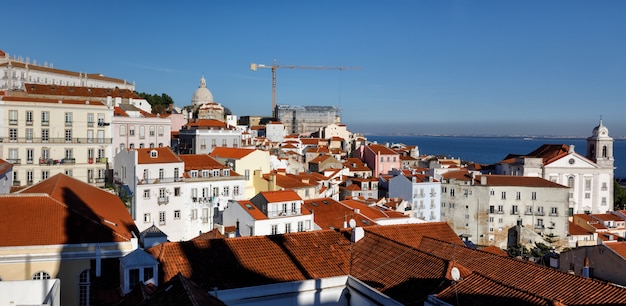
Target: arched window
{"type": "Point", "coordinates": [142, 131]}
{"type": "Point", "coordinates": [604, 151]}
{"type": "Point", "coordinates": [122, 130]}
{"type": "Point", "coordinates": [151, 130]}
{"type": "Point", "coordinates": [152, 145]}
{"type": "Point", "coordinates": [41, 275]}
{"type": "Point", "coordinates": [83, 288]}
{"type": "Point", "coordinates": [160, 131]}
{"type": "Point", "coordinates": [570, 181]}
{"type": "Point", "coordinates": [131, 130]}
{"type": "Point", "coordinates": [141, 145]}
{"type": "Point", "coordinates": [160, 144]}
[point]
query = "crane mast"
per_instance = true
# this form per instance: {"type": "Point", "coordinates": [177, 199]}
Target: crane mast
{"type": "Point", "coordinates": [275, 66]}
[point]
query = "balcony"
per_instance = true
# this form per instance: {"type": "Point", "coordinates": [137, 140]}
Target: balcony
{"type": "Point", "coordinates": [528, 213]}
{"type": "Point", "coordinates": [15, 161]}
{"type": "Point", "coordinates": [280, 213]}
{"type": "Point", "coordinates": [55, 140]}
{"type": "Point", "coordinates": [17, 183]}
{"type": "Point", "coordinates": [539, 213]}
{"type": "Point", "coordinates": [539, 226]}
{"type": "Point", "coordinates": [500, 212]}
{"type": "Point", "coordinates": [514, 212]}
{"type": "Point", "coordinates": [163, 200]}
{"type": "Point", "coordinates": [553, 214]}
{"type": "Point", "coordinates": [147, 181]}
{"type": "Point", "coordinates": [102, 160]}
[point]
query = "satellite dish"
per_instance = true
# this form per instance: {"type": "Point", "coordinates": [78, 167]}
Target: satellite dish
{"type": "Point", "coordinates": [456, 274]}
{"type": "Point", "coordinates": [352, 223]}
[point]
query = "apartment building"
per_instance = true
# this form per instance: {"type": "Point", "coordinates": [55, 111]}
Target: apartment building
{"type": "Point", "coordinates": [135, 128]}
{"type": "Point", "coordinates": [487, 209]}
{"type": "Point", "coordinates": [53, 129]}
{"type": "Point", "coordinates": [422, 191]}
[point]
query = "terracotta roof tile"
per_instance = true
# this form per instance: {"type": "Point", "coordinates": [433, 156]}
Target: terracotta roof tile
{"type": "Point", "coordinates": [164, 155]}
{"type": "Point", "coordinates": [66, 204]}
{"type": "Point", "coordinates": [237, 153]}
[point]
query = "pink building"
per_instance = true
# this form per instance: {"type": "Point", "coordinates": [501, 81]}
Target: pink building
{"type": "Point", "coordinates": [379, 158]}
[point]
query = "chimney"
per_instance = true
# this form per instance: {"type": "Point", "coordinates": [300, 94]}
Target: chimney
{"type": "Point", "coordinates": [357, 234]}
{"type": "Point", "coordinates": [571, 149]}
{"type": "Point", "coordinates": [585, 272]}
{"type": "Point", "coordinates": [483, 180]}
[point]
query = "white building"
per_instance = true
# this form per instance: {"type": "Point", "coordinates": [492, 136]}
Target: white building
{"type": "Point", "coordinates": [422, 191]}
{"type": "Point", "coordinates": [590, 177]}
{"type": "Point", "coordinates": [485, 208]}
{"type": "Point", "coordinates": [204, 135]}
{"type": "Point", "coordinates": [16, 72]}
{"type": "Point", "coordinates": [275, 131]}
{"type": "Point", "coordinates": [208, 188]}
{"type": "Point", "coordinates": [269, 213]}
{"type": "Point", "coordinates": [154, 179]}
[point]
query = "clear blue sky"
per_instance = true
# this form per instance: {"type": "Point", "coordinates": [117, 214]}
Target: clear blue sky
{"type": "Point", "coordinates": [485, 67]}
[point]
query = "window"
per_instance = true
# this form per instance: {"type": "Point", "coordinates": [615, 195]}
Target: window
{"type": "Point", "coordinates": [503, 195]}
{"type": "Point", "coordinates": [148, 273]}
{"type": "Point", "coordinates": [604, 188]}
{"type": "Point", "coordinates": [160, 131]}
{"type": "Point", "coordinates": [29, 117]}
{"type": "Point", "coordinates": [603, 201]}
{"type": "Point", "coordinates": [451, 192]}
{"type": "Point", "coordinates": [570, 182]}
{"type": "Point", "coordinates": [45, 174]}
{"type": "Point", "coordinates": [226, 191]}
{"type": "Point", "coordinates": [29, 177]}
{"type": "Point", "coordinates": [604, 152]}
{"type": "Point", "coordinates": [587, 195]}
{"type": "Point", "coordinates": [152, 132]}
{"type": "Point", "coordinates": [274, 229]}
{"type": "Point", "coordinates": [247, 174]}
{"type": "Point", "coordinates": [146, 218]}
{"type": "Point", "coordinates": [83, 288]}
{"type": "Point", "coordinates": [146, 193]}
{"type": "Point", "coordinates": [500, 209]}
{"type": "Point", "coordinates": [45, 135]}
{"type": "Point", "coordinates": [224, 143]}
{"type": "Point", "coordinates": [122, 130]}
{"type": "Point", "coordinates": [45, 154]}
{"type": "Point", "coordinates": [161, 218]}
{"type": "Point", "coordinates": [161, 173]}
{"type": "Point", "coordinates": [133, 278]}
{"type": "Point", "coordinates": [491, 219]}
{"type": "Point", "coordinates": [216, 191]}
{"type": "Point", "coordinates": [68, 135]}
{"type": "Point", "coordinates": [307, 224]}
{"type": "Point", "coordinates": [41, 275]}
{"type": "Point", "coordinates": [29, 156]}
{"type": "Point", "coordinates": [287, 228]}
{"type": "Point", "coordinates": [300, 226]}
{"type": "Point", "coordinates": [533, 195]}
{"type": "Point", "coordinates": [235, 190]}
{"type": "Point", "coordinates": [587, 184]}
{"type": "Point", "coordinates": [205, 215]}
{"type": "Point", "coordinates": [131, 130]}
{"type": "Point", "coordinates": [69, 154]}
{"type": "Point", "coordinates": [68, 119]}
{"type": "Point", "coordinates": [540, 210]}
{"type": "Point", "coordinates": [90, 119]}
{"type": "Point", "coordinates": [514, 210]}
{"type": "Point", "coordinates": [518, 195]}
{"type": "Point", "coordinates": [13, 117]}
{"type": "Point", "coordinates": [529, 210]}
{"type": "Point", "coordinates": [13, 135]}
{"type": "Point", "coordinates": [492, 192]}
{"type": "Point", "coordinates": [176, 191]}
{"type": "Point", "coordinates": [142, 132]}
{"type": "Point", "coordinates": [45, 118]}
{"type": "Point", "coordinates": [177, 214]}
{"type": "Point", "coordinates": [554, 211]}
{"type": "Point", "coordinates": [492, 209]}
{"type": "Point", "coordinates": [194, 214]}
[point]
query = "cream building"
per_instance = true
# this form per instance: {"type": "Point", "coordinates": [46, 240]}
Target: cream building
{"type": "Point", "coordinates": [55, 129]}
{"type": "Point", "coordinates": [134, 128]}
{"type": "Point", "coordinates": [245, 162]}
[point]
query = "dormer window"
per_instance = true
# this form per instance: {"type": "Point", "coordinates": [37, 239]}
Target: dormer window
{"type": "Point", "coordinates": [205, 173]}
{"type": "Point", "coordinates": [154, 154]}
{"type": "Point", "coordinates": [193, 173]}
{"type": "Point", "coordinates": [226, 172]}
{"type": "Point", "coordinates": [216, 172]}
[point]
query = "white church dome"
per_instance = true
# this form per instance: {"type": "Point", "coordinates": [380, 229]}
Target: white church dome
{"type": "Point", "coordinates": [202, 95]}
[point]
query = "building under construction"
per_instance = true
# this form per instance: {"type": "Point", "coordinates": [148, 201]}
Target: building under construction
{"type": "Point", "coordinates": [306, 119]}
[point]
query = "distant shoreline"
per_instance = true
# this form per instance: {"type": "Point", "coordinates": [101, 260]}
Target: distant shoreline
{"type": "Point", "coordinates": [528, 137]}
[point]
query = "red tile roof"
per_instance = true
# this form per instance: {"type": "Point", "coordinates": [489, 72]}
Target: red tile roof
{"type": "Point", "coordinates": [200, 162]}
{"type": "Point", "coordinates": [236, 153]}
{"type": "Point", "coordinates": [63, 210]}
{"type": "Point", "coordinates": [380, 149]}
{"type": "Point", "coordinates": [330, 214]}
{"type": "Point", "coordinates": [78, 91]}
{"type": "Point", "coordinates": [405, 269]}
{"type": "Point", "coordinates": [164, 155]}
{"type": "Point", "coordinates": [618, 247]}
{"type": "Point", "coordinates": [280, 196]}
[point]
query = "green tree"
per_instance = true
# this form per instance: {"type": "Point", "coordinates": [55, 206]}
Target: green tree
{"type": "Point", "coordinates": [619, 196]}
{"type": "Point", "coordinates": [159, 103]}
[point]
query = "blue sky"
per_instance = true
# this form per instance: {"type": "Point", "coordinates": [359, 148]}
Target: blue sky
{"type": "Point", "coordinates": [449, 67]}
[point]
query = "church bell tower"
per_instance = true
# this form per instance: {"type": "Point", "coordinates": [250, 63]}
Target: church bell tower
{"type": "Point", "coordinates": [600, 147]}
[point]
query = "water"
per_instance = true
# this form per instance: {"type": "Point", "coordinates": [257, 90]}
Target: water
{"type": "Point", "coordinates": [488, 150]}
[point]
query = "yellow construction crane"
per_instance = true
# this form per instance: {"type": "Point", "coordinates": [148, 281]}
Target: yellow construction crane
{"type": "Point", "coordinates": [254, 67]}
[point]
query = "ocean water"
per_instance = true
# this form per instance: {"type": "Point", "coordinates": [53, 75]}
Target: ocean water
{"type": "Point", "coordinates": [487, 150]}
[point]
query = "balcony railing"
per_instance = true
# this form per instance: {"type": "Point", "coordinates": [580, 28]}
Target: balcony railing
{"type": "Point", "coordinates": [539, 213]}
{"type": "Point", "coordinates": [280, 213]}
{"type": "Point", "coordinates": [163, 200]}
{"type": "Point", "coordinates": [54, 140]}
{"type": "Point", "coordinates": [553, 214]}
{"type": "Point", "coordinates": [146, 181]}
{"type": "Point", "coordinates": [528, 213]}
{"type": "Point", "coordinates": [15, 161]}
